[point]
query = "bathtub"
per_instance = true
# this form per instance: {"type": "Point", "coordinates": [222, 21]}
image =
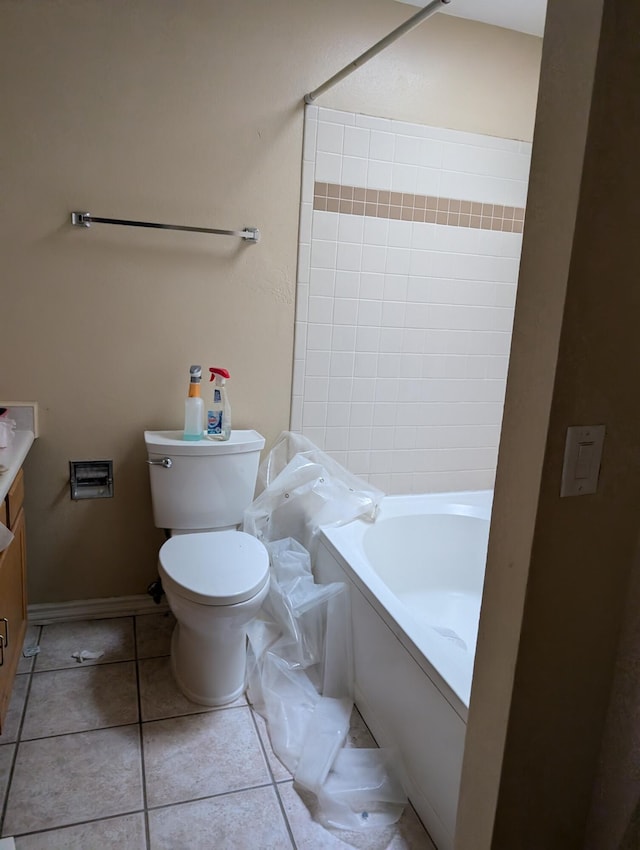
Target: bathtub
{"type": "Point", "coordinates": [416, 577]}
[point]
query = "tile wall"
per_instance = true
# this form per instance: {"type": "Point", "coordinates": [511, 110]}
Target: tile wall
{"type": "Point", "coordinates": [410, 241]}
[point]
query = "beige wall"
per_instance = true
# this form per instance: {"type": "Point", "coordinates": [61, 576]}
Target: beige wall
{"type": "Point", "coordinates": [545, 660]}
{"type": "Point", "coordinates": [189, 113]}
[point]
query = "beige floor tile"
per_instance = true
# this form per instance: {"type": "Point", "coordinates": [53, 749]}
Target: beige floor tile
{"type": "Point", "coordinates": [121, 833]}
{"type": "Point", "coordinates": [25, 665]}
{"type": "Point", "coordinates": [73, 778]}
{"type": "Point", "coordinates": [407, 834]}
{"type": "Point", "coordinates": [77, 700]}
{"type": "Point", "coordinates": [6, 759]}
{"type": "Point", "coordinates": [187, 758]}
{"type": "Point", "coordinates": [240, 821]}
{"type": "Point", "coordinates": [153, 633]}
{"type": "Point", "coordinates": [160, 696]}
{"type": "Point", "coordinates": [113, 637]}
{"type": "Point", "coordinates": [14, 714]}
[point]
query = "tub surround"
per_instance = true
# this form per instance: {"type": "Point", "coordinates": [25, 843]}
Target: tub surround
{"type": "Point", "coordinates": [410, 239]}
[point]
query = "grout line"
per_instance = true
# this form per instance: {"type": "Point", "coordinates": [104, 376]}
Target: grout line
{"type": "Point", "coordinates": [273, 779]}
{"type": "Point", "coordinates": [147, 832]}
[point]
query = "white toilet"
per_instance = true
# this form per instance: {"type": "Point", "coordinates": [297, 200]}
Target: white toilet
{"type": "Point", "coordinates": [214, 576]}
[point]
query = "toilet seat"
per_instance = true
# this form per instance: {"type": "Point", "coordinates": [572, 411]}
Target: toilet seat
{"type": "Point", "coordinates": [215, 567]}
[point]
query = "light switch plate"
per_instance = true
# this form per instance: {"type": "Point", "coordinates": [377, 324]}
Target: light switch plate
{"type": "Point", "coordinates": [582, 457]}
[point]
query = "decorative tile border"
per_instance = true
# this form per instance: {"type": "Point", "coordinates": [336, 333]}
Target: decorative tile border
{"type": "Point", "coordinates": [353, 200]}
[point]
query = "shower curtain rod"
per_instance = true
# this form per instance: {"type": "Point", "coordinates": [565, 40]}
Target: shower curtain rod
{"type": "Point", "coordinates": [84, 219]}
{"type": "Point", "coordinates": [418, 18]}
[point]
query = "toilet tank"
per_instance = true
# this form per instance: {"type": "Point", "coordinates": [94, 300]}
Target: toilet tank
{"type": "Point", "coordinates": [202, 484]}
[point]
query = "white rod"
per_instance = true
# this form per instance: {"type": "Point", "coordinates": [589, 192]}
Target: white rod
{"type": "Point", "coordinates": [430, 9]}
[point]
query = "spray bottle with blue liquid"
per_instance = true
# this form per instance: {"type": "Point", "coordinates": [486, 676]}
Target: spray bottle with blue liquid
{"type": "Point", "coordinates": [219, 413]}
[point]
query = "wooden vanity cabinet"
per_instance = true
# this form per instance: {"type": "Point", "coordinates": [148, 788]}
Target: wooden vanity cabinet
{"type": "Point", "coordinates": [13, 596]}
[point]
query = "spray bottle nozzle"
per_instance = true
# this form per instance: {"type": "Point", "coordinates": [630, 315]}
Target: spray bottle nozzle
{"type": "Point", "coordinates": [215, 372]}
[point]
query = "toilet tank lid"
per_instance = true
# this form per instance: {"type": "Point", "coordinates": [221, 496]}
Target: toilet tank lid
{"type": "Point", "coordinates": [171, 442]}
{"type": "Point", "coordinates": [215, 567]}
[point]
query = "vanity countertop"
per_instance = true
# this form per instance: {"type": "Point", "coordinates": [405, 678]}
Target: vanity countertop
{"type": "Point", "coordinates": [12, 458]}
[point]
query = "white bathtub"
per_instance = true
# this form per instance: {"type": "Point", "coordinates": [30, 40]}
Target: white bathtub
{"type": "Point", "coordinates": [416, 576]}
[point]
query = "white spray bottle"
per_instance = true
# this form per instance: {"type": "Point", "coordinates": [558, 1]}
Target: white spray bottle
{"type": "Point", "coordinates": [194, 407]}
{"type": "Point", "coordinates": [219, 413]}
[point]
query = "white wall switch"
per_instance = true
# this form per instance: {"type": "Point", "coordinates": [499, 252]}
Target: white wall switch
{"type": "Point", "coordinates": [582, 456]}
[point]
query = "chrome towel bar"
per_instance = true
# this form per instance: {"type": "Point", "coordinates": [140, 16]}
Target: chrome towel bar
{"type": "Point", "coordinates": [85, 219]}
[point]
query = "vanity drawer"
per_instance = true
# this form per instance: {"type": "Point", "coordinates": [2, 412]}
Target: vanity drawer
{"type": "Point", "coordinates": [15, 499]}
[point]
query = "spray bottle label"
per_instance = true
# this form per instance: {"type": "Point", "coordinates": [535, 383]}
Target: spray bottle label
{"type": "Point", "coordinates": [214, 422]}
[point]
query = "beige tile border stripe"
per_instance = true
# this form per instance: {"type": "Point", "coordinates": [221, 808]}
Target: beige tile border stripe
{"type": "Point", "coordinates": [332, 197]}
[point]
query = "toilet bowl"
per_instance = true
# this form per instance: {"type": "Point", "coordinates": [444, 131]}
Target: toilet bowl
{"type": "Point", "coordinates": [215, 577]}
{"type": "Point", "coordinates": [212, 605]}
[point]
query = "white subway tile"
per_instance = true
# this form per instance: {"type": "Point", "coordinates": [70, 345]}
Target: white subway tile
{"type": "Point", "coordinates": [418, 315]}
{"type": "Point", "coordinates": [391, 337]}
{"type": "Point", "coordinates": [366, 364]}
{"type": "Point", "coordinates": [356, 141]}
{"type": "Point", "coordinates": [345, 311]}
{"type": "Point", "coordinates": [348, 256]}
{"type": "Point", "coordinates": [354, 171]}
{"type": "Point", "coordinates": [393, 314]}
{"type": "Point", "coordinates": [319, 337]}
{"type": "Point", "coordinates": [396, 286]}
{"type": "Point", "coordinates": [428, 181]}
{"type": "Point", "coordinates": [320, 310]}
{"type": "Point", "coordinates": [367, 338]}
{"type": "Point", "coordinates": [317, 363]}
{"type": "Point", "coordinates": [336, 438]}
{"type": "Point", "coordinates": [379, 175]}
{"type": "Point", "coordinates": [358, 461]}
{"type": "Point", "coordinates": [309, 139]}
{"type": "Point", "coordinates": [322, 282]}
{"type": "Point", "coordinates": [372, 122]}
{"type": "Point", "coordinates": [371, 285]}
{"type": "Point", "coordinates": [376, 231]}
{"type": "Point", "coordinates": [308, 178]}
{"type": "Point", "coordinates": [380, 461]}
{"type": "Point", "coordinates": [386, 392]}
{"type": "Point", "coordinates": [373, 258]}
{"type": "Point", "coordinates": [430, 154]}
{"type": "Point", "coordinates": [407, 150]}
{"type": "Point", "coordinates": [404, 178]}
{"type": "Point", "coordinates": [325, 225]}
{"type": "Point", "coordinates": [404, 438]}
{"type": "Point", "coordinates": [381, 146]}
{"type": "Point", "coordinates": [398, 261]}
{"type": "Point", "coordinates": [338, 413]}
{"type": "Point", "coordinates": [505, 295]}
{"type": "Point", "coordinates": [364, 389]}
{"type": "Point", "coordinates": [344, 338]}
{"type": "Point", "coordinates": [304, 263]}
{"type": "Point", "coordinates": [413, 340]}
{"type": "Point", "coordinates": [298, 377]}
{"type": "Point", "coordinates": [314, 414]}
{"type": "Point", "coordinates": [351, 228]}
{"type": "Point", "coordinates": [340, 389]}
{"type": "Point", "coordinates": [369, 312]}
{"type": "Point", "coordinates": [382, 436]}
{"type": "Point", "coordinates": [323, 254]}
{"type": "Point", "coordinates": [341, 365]}
{"type": "Point", "coordinates": [399, 235]}
{"type": "Point", "coordinates": [328, 167]}
{"type": "Point", "coordinates": [316, 389]}
{"type": "Point", "coordinates": [388, 365]}
{"type": "Point", "coordinates": [330, 138]}
{"type": "Point", "coordinates": [336, 116]}
{"type": "Point", "coordinates": [347, 283]}
{"type": "Point", "coordinates": [361, 415]}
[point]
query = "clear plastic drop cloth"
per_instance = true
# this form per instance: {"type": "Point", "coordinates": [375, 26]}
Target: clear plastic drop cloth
{"type": "Point", "coordinates": [304, 488]}
{"type": "Point", "coordinates": [300, 679]}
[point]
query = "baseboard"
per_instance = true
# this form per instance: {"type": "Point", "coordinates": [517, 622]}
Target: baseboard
{"type": "Point", "coordinates": [93, 609]}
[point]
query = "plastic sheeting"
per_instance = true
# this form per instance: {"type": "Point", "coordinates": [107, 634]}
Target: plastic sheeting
{"type": "Point", "coordinates": [300, 657]}
{"type": "Point", "coordinates": [304, 488]}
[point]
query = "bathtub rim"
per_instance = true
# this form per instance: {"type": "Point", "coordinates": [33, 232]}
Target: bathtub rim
{"type": "Point", "coordinates": [345, 543]}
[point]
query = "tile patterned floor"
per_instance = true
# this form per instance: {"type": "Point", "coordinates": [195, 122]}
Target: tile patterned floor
{"type": "Point", "coordinates": [109, 754]}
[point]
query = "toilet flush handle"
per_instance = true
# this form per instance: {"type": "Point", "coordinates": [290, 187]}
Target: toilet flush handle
{"type": "Point", "coordinates": [166, 462]}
